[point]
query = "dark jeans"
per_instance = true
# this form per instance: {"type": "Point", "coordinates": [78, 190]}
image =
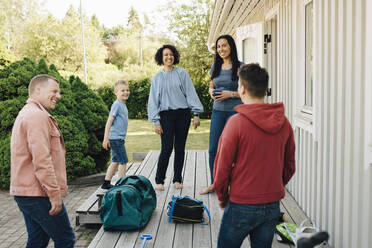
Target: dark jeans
{"type": "Point", "coordinates": [118, 151]}
{"type": "Point", "coordinates": [218, 122]}
{"type": "Point", "coordinates": [175, 125]}
{"type": "Point", "coordinates": [256, 220]}
{"type": "Point", "coordinates": [41, 226]}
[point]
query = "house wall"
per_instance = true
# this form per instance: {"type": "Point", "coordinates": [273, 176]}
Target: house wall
{"type": "Point", "coordinates": [333, 179]}
{"type": "Point", "coordinates": [332, 183]}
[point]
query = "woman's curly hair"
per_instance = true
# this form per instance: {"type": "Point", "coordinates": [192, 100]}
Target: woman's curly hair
{"type": "Point", "coordinates": [159, 54]}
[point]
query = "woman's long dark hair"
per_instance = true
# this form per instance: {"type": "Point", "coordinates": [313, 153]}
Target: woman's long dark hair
{"type": "Point", "coordinates": [233, 55]}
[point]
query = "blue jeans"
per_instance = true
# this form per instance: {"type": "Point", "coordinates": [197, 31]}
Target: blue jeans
{"type": "Point", "coordinates": [118, 151]}
{"type": "Point", "coordinates": [218, 122]}
{"type": "Point", "coordinates": [256, 220]}
{"type": "Point", "coordinates": [41, 226]}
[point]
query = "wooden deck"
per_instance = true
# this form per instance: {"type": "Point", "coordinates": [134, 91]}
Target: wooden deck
{"type": "Point", "coordinates": [196, 177]}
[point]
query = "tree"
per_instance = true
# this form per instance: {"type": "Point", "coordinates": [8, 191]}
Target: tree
{"type": "Point", "coordinates": [59, 42]}
{"type": "Point", "coordinates": [6, 55]}
{"type": "Point", "coordinates": [191, 24]}
{"type": "Point", "coordinates": [133, 19]}
{"type": "Point", "coordinates": [16, 12]}
{"type": "Point", "coordinates": [95, 23]}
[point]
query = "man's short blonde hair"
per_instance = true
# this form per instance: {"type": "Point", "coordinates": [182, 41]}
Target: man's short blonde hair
{"type": "Point", "coordinates": [41, 79]}
{"type": "Point", "coordinates": [120, 82]}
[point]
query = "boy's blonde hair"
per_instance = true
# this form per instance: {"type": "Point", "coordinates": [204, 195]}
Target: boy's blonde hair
{"type": "Point", "coordinates": [120, 82]}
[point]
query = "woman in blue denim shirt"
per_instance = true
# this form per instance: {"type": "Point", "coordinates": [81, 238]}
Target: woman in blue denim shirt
{"type": "Point", "coordinates": [223, 90]}
{"type": "Point", "coordinates": [171, 101]}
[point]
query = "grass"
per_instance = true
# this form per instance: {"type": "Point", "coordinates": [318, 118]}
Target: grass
{"type": "Point", "coordinates": [142, 138]}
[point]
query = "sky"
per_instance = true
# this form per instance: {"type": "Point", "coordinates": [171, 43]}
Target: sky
{"type": "Point", "coordinates": [109, 12]}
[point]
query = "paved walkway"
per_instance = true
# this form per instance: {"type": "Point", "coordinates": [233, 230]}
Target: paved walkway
{"type": "Point", "coordinates": [12, 227]}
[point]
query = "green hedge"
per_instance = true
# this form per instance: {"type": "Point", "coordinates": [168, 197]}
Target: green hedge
{"type": "Point", "coordinates": [139, 93]}
{"type": "Point", "coordinates": [81, 115]}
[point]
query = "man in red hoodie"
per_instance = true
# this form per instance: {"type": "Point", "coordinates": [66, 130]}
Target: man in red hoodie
{"type": "Point", "coordinates": [255, 159]}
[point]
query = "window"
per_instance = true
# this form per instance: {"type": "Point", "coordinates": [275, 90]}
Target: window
{"type": "Point", "coordinates": [249, 43]}
{"type": "Point", "coordinates": [309, 55]}
{"type": "Point", "coordinates": [304, 67]}
{"type": "Point", "coordinates": [249, 50]}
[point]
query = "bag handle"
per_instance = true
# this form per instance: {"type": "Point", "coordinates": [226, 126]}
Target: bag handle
{"type": "Point", "coordinates": [132, 177]}
{"type": "Point", "coordinates": [123, 181]}
{"type": "Point", "coordinates": [118, 203]}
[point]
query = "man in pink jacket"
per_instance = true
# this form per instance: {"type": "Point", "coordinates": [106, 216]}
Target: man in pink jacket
{"type": "Point", "coordinates": [255, 159]}
{"type": "Point", "coordinates": [38, 170]}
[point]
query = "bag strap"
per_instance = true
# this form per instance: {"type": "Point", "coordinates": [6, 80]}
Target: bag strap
{"type": "Point", "coordinates": [137, 188]}
{"type": "Point", "coordinates": [140, 182]}
{"type": "Point", "coordinates": [174, 199]}
{"type": "Point", "coordinates": [209, 216]}
{"type": "Point", "coordinates": [124, 180]}
{"type": "Point", "coordinates": [118, 203]}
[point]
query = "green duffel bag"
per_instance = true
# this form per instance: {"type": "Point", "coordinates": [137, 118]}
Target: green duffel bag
{"type": "Point", "coordinates": [129, 204]}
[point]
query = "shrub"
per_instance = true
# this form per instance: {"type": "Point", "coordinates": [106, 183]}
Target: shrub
{"type": "Point", "coordinates": [5, 161]}
{"type": "Point", "coordinates": [106, 93]}
{"type": "Point", "coordinates": [139, 93]}
{"type": "Point", "coordinates": [137, 102]}
{"type": "Point", "coordinates": [81, 116]}
{"type": "Point", "coordinates": [202, 89]}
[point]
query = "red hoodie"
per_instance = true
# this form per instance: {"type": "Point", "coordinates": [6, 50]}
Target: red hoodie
{"type": "Point", "coordinates": [255, 156]}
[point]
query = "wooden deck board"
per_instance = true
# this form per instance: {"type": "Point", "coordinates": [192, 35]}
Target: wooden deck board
{"type": "Point", "coordinates": [293, 210]}
{"type": "Point", "coordinates": [201, 233]}
{"type": "Point", "coordinates": [153, 225]}
{"type": "Point", "coordinates": [87, 204]}
{"type": "Point", "coordinates": [165, 232]}
{"type": "Point", "coordinates": [184, 234]}
{"type": "Point", "coordinates": [196, 176]}
{"type": "Point", "coordinates": [132, 239]}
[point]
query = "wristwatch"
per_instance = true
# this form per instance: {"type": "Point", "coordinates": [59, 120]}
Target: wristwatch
{"type": "Point", "coordinates": [196, 114]}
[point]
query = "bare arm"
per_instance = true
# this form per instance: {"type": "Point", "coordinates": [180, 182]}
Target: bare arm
{"type": "Point", "coordinates": [222, 95]}
{"type": "Point", "coordinates": [225, 94]}
{"type": "Point", "coordinates": [211, 88]}
{"type": "Point", "coordinates": [106, 143]}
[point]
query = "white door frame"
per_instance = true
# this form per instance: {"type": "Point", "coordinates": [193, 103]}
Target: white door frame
{"type": "Point", "coordinates": [270, 52]}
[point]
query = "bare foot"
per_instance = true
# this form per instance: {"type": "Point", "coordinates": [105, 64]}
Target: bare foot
{"type": "Point", "coordinates": [207, 190]}
{"type": "Point", "coordinates": [159, 187]}
{"type": "Point", "coordinates": [178, 185]}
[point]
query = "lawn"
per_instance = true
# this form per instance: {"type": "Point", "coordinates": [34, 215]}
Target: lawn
{"type": "Point", "coordinates": [142, 138]}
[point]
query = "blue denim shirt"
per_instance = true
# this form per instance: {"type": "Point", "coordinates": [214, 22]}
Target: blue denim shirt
{"type": "Point", "coordinates": [172, 90]}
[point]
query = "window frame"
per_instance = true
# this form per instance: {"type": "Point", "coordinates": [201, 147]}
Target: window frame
{"type": "Point", "coordinates": [309, 65]}
{"type": "Point", "coordinates": [304, 116]}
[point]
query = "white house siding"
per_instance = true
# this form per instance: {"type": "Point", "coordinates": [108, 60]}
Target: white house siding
{"type": "Point", "coordinates": [334, 145]}
{"type": "Point", "coordinates": [332, 183]}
